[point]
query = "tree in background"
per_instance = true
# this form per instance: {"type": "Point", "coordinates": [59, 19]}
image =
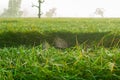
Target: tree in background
{"type": "Point", "coordinates": [13, 9]}
{"type": "Point", "coordinates": [99, 11]}
{"type": "Point", "coordinates": [51, 12]}
{"type": "Point", "coordinates": [39, 7]}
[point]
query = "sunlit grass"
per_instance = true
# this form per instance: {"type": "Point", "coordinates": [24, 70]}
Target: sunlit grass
{"type": "Point", "coordinates": [93, 51]}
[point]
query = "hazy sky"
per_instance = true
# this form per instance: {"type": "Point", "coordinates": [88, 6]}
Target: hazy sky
{"type": "Point", "coordinates": [70, 8]}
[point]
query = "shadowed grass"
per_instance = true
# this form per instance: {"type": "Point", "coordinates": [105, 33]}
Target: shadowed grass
{"type": "Point", "coordinates": [33, 38]}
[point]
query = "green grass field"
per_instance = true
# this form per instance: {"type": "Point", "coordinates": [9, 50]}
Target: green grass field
{"type": "Point", "coordinates": [28, 50]}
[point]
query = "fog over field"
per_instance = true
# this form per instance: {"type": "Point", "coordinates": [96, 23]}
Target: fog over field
{"type": "Point", "coordinates": [69, 8]}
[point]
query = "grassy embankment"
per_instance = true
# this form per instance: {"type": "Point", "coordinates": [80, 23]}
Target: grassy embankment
{"type": "Point", "coordinates": [92, 51]}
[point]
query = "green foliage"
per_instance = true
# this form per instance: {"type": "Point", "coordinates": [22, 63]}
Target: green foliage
{"type": "Point", "coordinates": [13, 9]}
{"type": "Point", "coordinates": [93, 52]}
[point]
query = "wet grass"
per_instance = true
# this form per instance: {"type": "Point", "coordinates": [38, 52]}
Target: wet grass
{"type": "Point", "coordinates": [93, 52]}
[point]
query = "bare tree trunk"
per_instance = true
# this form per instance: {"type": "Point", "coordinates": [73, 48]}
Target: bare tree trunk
{"type": "Point", "coordinates": [39, 15]}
